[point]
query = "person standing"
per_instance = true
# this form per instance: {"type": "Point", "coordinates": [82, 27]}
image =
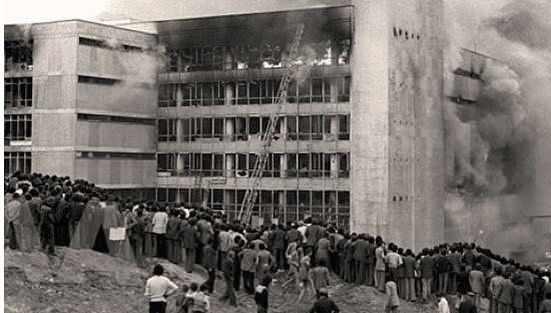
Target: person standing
{"type": "Point", "coordinates": [261, 295]}
{"type": "Point", "coordinates": [468, 305]}
{"type": "Point", "coordinates": [319, 277]}
{"type": "Point", "coordinates": [409, 273]}
{"type": "Point", "coordinates": [477, 282]}
{"type": "Point", "coordinates": [173, 245]}
{"type": "Point", "coordinates": [160, 221]}
{"type": "Point", "coordinates": [426, 268]}
{"type": "Point", "coordinates": [248, 266]}
{"type": "Point", "coordinates": [324, 304]}
{"type": "Point", "coordinates": [189, 244]}
{"type": "Point", "coordinates": [505, 295]}
{"type": "Point", "coordinates": [380, 264]}
{"type": "Point", "coordinates": [443, 306]}
{"type": "Point", "coordinates": [443, 267]}
{"type": "Point", "coordinates": [360, 259]}
{"type": "Point", "coordinates": [391, 290]}
{"type": "Point", "coordinates": [46, 226]}
{"type": "Point", "coordinates": [157, 289]}
{"type": "Point", "coordinates": [200, 301]}
{"type": "Point", "coordinates": [227, 269]}
{"type": "Point", "coordinates": [12, 214]}
{"type": "Point", "coordinates": [278, 237]}
{"type": "Point", "coordinates": [209, 262]}
{"type": "Point", "coordinates": [136, 229]}
{"type": "Point", "coordinates": [322, 250]}
{"type": "Point", "coordinates": [495, 288]}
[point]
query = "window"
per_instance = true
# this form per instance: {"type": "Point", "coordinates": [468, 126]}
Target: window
{"type": "Point", "coordinates": [166, 162]}
{"type": "Point", "coordinates": [344, 164]}
{"type": "Point", "coordinates": [167, 95]}
{"type": "Point", "coordinates": [343, 89]}
{"type": "Point", "coordinates": [18, 55]}
{"type": "Point", "coordinates": [292, 128]}
{"type": "Point", "coordinates": [97, 80]}
{"type": "Point", "coordinates": [344, 127]}
{"type": "Point", "coordinates": [17, 161]}
{"type": "Point", "coordinates": [18, 127]}
{"type": "Point", "coordinates": [18, 92]}
{"type": "Point", "coordinates": [219, 128]}
{"type": "Point", "coordinates": [167, 130]}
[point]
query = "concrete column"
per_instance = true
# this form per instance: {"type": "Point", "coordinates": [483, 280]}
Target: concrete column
{"type": "Point", "coordinates": [335, 125]}
{"type": "Point", "coordinates": [179, 163]}
{"type": "Point", "coordinates": [230, 165]}
{"type": "Point", "coordinates": [283, 127]}
{"type": "Point", "coordinates": [334, 90]}
{"type": "Point", "coordinates": [179, 94]}
{"type": "Point", "coordinates": [229, 129]}
{"type": "Point", "coordinates": [281, 204]}
{"type": "Point", "coordinates": [179, 129]}
{"type": "Point", "coordinates": [228, 87]}
{"type": "Point", "coordinates": [334, 165]}
{"type": "Point", "coordinates": [283, 165]}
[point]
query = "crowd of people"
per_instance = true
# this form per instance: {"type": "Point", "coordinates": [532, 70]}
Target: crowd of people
{"type": "Point", "coordinates": [309, 251]}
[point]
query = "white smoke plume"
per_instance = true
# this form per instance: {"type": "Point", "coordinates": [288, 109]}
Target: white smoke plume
{"type": "Point", "coordinates": [510, 134]}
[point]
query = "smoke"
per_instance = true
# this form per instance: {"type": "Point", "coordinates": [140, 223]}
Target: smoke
{"type": "Point", "coordinates": [495, 150]}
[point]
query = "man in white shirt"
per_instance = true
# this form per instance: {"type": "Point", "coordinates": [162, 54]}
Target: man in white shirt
{"type": "Point", "coordinates": [159, 221]}
{"type": "Point", "coordinates": [157, 289]}
{"type": "Point", "coordinates": [443, 306]}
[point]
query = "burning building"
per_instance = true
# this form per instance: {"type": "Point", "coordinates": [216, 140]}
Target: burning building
{"type": "Point", "coordinates": [177, 114]}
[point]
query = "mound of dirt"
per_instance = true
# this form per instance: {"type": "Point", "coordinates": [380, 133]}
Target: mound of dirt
{"type": "Point", "coordinates": [88, 281]}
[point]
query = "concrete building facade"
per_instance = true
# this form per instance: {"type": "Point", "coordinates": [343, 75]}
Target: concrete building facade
{"type": "Point", "coordinates": [360, 140]}
{"type": "Point", "coordinates": [75, 105]}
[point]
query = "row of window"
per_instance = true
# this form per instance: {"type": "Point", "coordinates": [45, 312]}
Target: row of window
{"type": "Point", "coordinates": [18, 127]}
{"type": "Point", "coordinates": [18, 55]}
{"type": "Point", "coordinates": [307, 165]}
{"type": "Point", "coordinates": [303, 127]}
{"type": "Point", "coordinates": [18, 92]}
{"type": "Point", "coordinates": [114, 155]}
{"type": "Point", "coordinates": [17, 161]}
{"type": "Point", "coordinates": [253, 92]}
{"type": "Point", "coordinates": [114, 119]}
{"type": "Point", "coordinates": [284, 205]}
{"type": "Point", "coordinates": [262, 56]}
{"type": "Point", "coordinates": [107, 44]}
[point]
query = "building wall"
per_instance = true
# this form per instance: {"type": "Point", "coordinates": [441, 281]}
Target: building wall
{"type": "Point", "coordinates": [397, 121]}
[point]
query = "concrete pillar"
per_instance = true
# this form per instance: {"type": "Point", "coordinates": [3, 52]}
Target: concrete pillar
{"type": "Point", "coordinates": [283, 165]}
{"type": "Point", "coordinates": [283, 127]}
{"type": "Point", "coordinates": [179, 164]}
{"type": "Point", "coordinates": [334, 90]}
{"type": "Point", "coordinates": [179, 95]}
{"type": "Point", "coordinates": [179, 129]}
{"type": "Point", "coordinates": [228, 87]}
{"type": "Point", "coordinates": [281, 204]}
{"type": "Point", "coordinates": [334, 165]}
{"type": "Point", "coordinates": [334, 126]}
{"type": "Point", "coordinates": [230, 165]}
{"type": "Point", "coordinates": [229, 129]}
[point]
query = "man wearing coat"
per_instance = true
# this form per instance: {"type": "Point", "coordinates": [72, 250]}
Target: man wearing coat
{"type": "Point", "coordinates": [505, 295]}
{"type": "Point", "coordinates": [360, 259]}
{"type": "Point", "coordinates": [189, 244]}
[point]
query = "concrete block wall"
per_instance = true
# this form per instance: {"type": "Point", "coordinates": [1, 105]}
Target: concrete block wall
{"type": "Point", "coordinates": [398, 151]}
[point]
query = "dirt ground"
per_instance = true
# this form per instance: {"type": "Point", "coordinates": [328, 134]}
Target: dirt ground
{"type": "Point", "coordinates": [87, 281]}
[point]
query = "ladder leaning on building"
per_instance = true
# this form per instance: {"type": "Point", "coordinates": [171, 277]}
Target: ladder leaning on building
{"type": "Point", "coordinates": [255, 178]}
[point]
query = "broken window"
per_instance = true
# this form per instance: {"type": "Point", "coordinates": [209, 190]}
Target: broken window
{"type": "Point", "coordinates": [344, 127]}
{"type": "Point", "coordinates": [17, 127]}
{"type": "Point", "coordinates": [344, 164]}
{"type": "Point", "coordinates": [167, 95]}
{"type": "Point", "coordinates": [304, 164]}
{"type": "Point", "coordinates": [316, 166]}
{"type": "Point", "coordinates": [218, 165]}
{"type": "Point", "coordinates": [254, 92]}
{"type": "Point", "coordinates": [317, 90]}
{"type": "Point", "coordinates": [18, 55]}
{"type": "Point", "coordinates": [241, 128]}
{"type": "Point", "coordinates": [292, 92]}
{"type": "Point", "coordinates": [18, 92]}
{"type": "Point", "coordinates": [206, 127]}
{"type": "Point", "coordinates": [343, 89]}
{"type": "Point", "coordinates": [327, 164]}
{"type": "Point", "coordinates": [292, 165]}
{"type": "Point", "coordinates": [292, 128]}
{"type": "Point", "coordinates": [254, 125]}
{"type": "Point", "coordinates": [167, 130]}
{"type": "Point", "coordinates": [206, 164]}
{"type": "Point", "coordinates": [219, 128]}
{"type": "Point", "coordinates": [304, 128]}
{"type": "Point", "coordinates": [304, 92]}
{"type": "Point", "coordinates": [241, 92]}
{"type": "Point", "coordinates": [317, 123]}
{"type": "Point", "coordinates": [242, 170]}
{"type": "Point", "coordinates": [166, 162]}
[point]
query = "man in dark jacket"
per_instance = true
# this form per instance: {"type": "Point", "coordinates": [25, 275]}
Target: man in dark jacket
{"type": "Point", "coordinates": [468, 306]}
{"type": "Point", "coordinates": [443, 267]}
{"type": "Point", "coordinates": [454, 259]}
{"type": "Point", "coordinates": [189, 244]}
{"type": "Point", "coordinates": [227, 269]}
{"type": "Point", "coordinates": [174, 249]}
{"type": "Point", "coordinates": [324, 304]}
{"type": "Point", "coordinates": [279, 246]}
{"type": "Point", "coordinates": [505, 295]}
{"type": "Point", "coordinates": [426, 268]}
{"type": "Point", "coordinates": [360, 259]}
{"type": "Point", "coordinates": [409, 273]}
{"type": "Point", "coordinates": [47, 226]}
